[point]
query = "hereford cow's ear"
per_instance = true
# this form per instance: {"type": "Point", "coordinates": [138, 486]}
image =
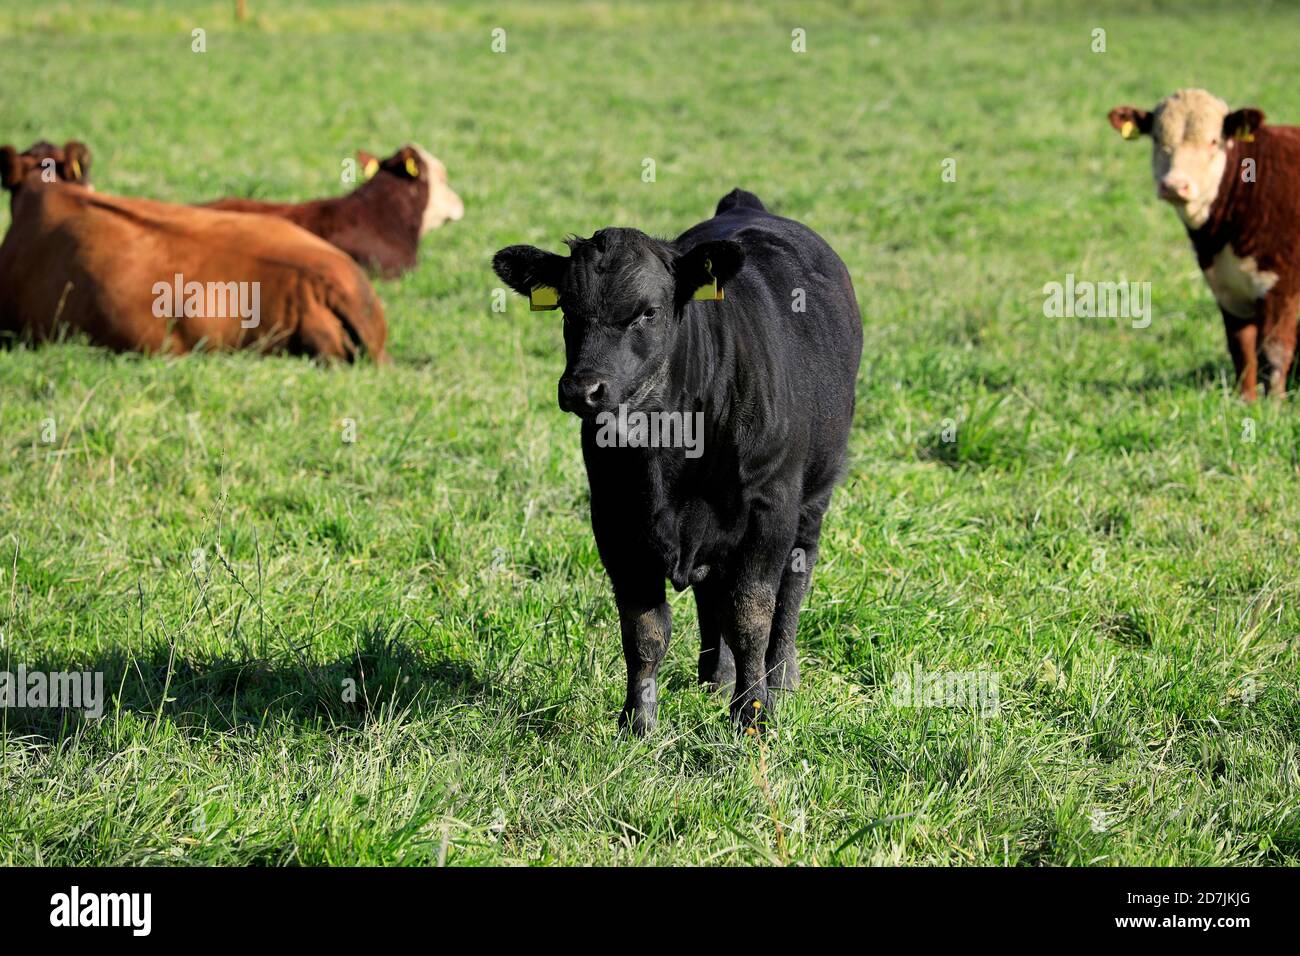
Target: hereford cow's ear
{"type": "Point", "coordinates": [410, 162]}
{"type": "Point", "coordinates": [703, 271]}
{"type": "Point", "coordinates": [76, 162]}
{"type": "Point", "coordinates": [1130, 121]}
{"type": "Point", "coordinates": [1241, 124]}
{"type": "Point", "coordinates": [533, 272]}
{"type": "Point", "coordinates": [368, 163]}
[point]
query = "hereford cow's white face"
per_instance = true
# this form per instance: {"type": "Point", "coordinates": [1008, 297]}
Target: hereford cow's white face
{"type": "Point", "coordinates": [1190, 133]}
{"type": "Point", "coordinates": [443, 204]}
{"type": "Point", "coordinates": [1187, 154]}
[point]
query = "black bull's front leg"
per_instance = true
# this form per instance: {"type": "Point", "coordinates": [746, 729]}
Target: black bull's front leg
{"type": "Point", "coordinates": [646, 625]}
{"type": "Point", "coordinates": [753, 602]}
{"type": "Point", "coordinates": [747, 602]}
{"type": "Point", "coordinates": [748, 615]}
{"type": "Point", "coordinates": [746, 608]}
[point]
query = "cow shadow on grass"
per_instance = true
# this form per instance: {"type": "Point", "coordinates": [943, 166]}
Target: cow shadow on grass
{"type": "Point", "coordinates": [1211, 374]}
{"type": "Point", "coordinates": [383, 674]}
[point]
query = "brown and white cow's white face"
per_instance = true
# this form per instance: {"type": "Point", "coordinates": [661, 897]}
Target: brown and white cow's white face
{"type": "Point", "coordinates": [424, 175]}
{"type": "Point", "coordinates": [1190, 134]}
{"type": "Point", "coordinates": [443, 204]}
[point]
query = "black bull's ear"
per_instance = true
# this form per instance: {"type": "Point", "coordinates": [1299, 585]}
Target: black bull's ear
{"type": "Point", "coordinates": [531, 272]}
{"type": "Point", "coordinates": [706, 269]}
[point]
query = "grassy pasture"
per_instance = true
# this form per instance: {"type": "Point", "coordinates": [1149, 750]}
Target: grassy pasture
{"type": "Point", "coordinates": [1113, 534]}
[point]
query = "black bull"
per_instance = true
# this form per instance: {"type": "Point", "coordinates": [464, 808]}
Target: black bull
{"type": "Point", "coordinates": [767, 371]}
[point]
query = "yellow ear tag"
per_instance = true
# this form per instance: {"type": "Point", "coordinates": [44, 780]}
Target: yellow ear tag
{"type": "Point", "coordinates": [543, 298]}
{"type": "Point", "coordinates": [412, 167]}
{"type": "Point", "coordinates": [1247, 135]}
{"type": "Point", "coordinates": [372, 167]}
{"type": "Point", "coordinates": [1129, 130]}
{"type": "Point", "coordinates": [709, 292]}
{"type": "Point", "coordinates": [76, 168]}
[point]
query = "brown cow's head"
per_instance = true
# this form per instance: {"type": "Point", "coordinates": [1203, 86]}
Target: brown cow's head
{"type": "Point", "coordinates": [423, 171]}
{"type": "Point", "coordinates": [1190, 132]}
{"type": "Point", "coordinates": [48, 162]}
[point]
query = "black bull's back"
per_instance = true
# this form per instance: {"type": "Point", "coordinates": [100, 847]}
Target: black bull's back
{"type": "Point", "coordinates": [793, 313]}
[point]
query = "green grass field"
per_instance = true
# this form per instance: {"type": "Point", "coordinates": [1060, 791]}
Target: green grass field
{"type": "Point", "coordinates": [1103, 535]}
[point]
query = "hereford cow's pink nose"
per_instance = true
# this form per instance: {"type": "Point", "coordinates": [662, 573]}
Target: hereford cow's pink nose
{"type": "Point", "coordinates": [1176, 188]}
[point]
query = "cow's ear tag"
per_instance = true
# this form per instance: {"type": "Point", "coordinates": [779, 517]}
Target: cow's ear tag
{"type": "Point", "coordinates": [1129, 130]}
{"type": "Point", "coordinates": [543, 298]}
{"type": "Point", "coordinates": [1247, 135]}
{"type": "Point", "coordinates": [412, 167]}
{"type": "Point", "coordinates": [372, 167]}
{"type": "Point", "coordinates": [76, 168]}
{"type": "Point", "coordinates": [709, 292]}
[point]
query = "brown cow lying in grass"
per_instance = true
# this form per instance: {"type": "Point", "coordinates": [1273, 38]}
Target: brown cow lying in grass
{"type": "Point", "coordinates": [379, 223]}
{"type": "Point", "coordinates": [133, 274]}
{"type": "Point", "coordinates": [1235, 183]}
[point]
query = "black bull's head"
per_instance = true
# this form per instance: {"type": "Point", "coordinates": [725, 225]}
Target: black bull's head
{"type": "Point", "coordinates": [623, 294]}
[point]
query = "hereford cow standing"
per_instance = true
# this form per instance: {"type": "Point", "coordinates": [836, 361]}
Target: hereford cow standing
{"type": "Point", "coordinates": [1236, 185]}
{"type": "Point", "coordinates": [757, 385]}
{"type": "Point", "coordinates": [132, 274]}
{"type": "Point", "coordinates": [381, 222]}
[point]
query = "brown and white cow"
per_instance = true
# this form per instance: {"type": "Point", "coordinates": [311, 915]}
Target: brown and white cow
{"type": "Point", "coordinates": [133, 274]}
{"type": "Point", "coordinates": [1235, 183]}
{"type": "Point", "coordinates": [381, 222]}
